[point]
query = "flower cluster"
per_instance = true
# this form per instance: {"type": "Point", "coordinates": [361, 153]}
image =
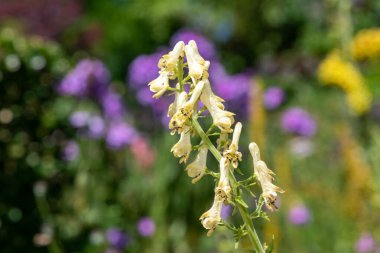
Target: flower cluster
{"type": "Point", "coordinates": [334, 70]}
{"type": "Point", "coordinates": [233, 88]}
{"type": "Point", "coordinates": [189, 92]}
{"type": "Point", "coordinates": [90, 80]}
{"type": "Point", "coordinates": [366, 44]}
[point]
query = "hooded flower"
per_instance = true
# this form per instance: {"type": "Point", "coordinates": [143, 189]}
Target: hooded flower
{"type": "Point", "coordinates": [183, 147]}
{"type": "Point", "coordinates": [185, 111]}
{"type": "Point", "coordinates": [160, 85]}
{"type": "Point", "coordinates": [223, 190]}
{"type": "Point", "coordinates": [169, 62]}
{"type": "Point", "coordinates": [177, 122]}
{"type": "Point", "coordinates": [212, 217]}
{"type": "Point", "coordinates": [197, 168]}
{"type": "Point", "coordinates": [198, 67]}
{"type": "Point", "coordinates": [222, 119]}
{"type": "Point", "coordinates": [265, 177]}
{"type": "Point", "coordinates": [232, 154]}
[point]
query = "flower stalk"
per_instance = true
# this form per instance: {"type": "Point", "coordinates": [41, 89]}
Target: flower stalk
{"type": "Point", "coordinates": [184, 114]}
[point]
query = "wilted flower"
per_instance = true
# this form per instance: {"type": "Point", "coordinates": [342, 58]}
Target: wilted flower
{"type": "Point", "coordinates": [299, 214]}
{"type": "Point", "coordinates": [298, 121]}
{"type": "Point", "coordinates": [197, 168]}
{"type": "Point", "coordinates": [365, 244]}
{"type": "Point", "coordinates": [146, 227]}
{"type": "Point", "coordinates": [265, 177]}
{"type": "Point", "coordinates": [273, 97]}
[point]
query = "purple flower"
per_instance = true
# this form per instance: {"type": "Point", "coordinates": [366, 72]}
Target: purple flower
{"type": "Point", "coordinates": [112, 104]}
{"type": "Point", "coordinates": [96, 127]}
{"type": "Point", "coordinates": [120, 134]}
{"type": "Point", "coordinates": [142, 70]}
{"type": "Point", "coordinates": [205, 47]}
{"type": "Point", "coordinates": [298, 121]}
{"type": "Point", "coordinates": [365, 244]}
{"type": "Point", "coordinates": [146, 227]}
{"type": "Point", "coordinates": [299, 215]}
{"type": "Point", "coordinates": [88, 78]}
{"type": "Point", "coordinates": [226, 211]}
{"type": "Point", "coordinates": [70, 151]}
{"type": "Point", "coordinates": [116, 238]}
{"type": "Point", "coordinates": [79, 119]}
{"type": "Point", "coordinates": [273, 98]}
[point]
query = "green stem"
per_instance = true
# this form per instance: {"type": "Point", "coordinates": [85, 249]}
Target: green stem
{"type": "Point", "coordinates": [253, 237]}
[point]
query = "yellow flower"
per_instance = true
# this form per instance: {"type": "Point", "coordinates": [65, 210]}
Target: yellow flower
{"type": "Point", "coordinates": [359, 100]}
{"type": "Point", "coordinates": [265, 177]}
{"type": "Point", "coordinates": [334, 70]}
{"type": "Point", "coordinates": [366, 44]}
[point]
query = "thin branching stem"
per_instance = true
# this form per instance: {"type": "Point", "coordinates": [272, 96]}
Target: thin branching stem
{"type": "Point", "coordinates": [243, 210]}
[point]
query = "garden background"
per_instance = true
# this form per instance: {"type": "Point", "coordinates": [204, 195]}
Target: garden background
{"type": "Point", "coordinates": [85, 162]}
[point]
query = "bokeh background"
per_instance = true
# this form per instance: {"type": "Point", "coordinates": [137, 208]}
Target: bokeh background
{"type": "Point", "coordinates": [85, 162]}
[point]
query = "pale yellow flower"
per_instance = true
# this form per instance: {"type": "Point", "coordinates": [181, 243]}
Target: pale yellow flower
{"type": "Point", "coordinates": [169, 62]}
{"type": "Point", "coordinates": [159, 85]}
{"type": "Point", "coordinates": [183, 147]}
{"type": "Point", "coordinates": [222, 119]}
{"type": "Point", "coordinates": [197, 65]}
{"type": "Point", "coordinates": [223, 190]}
{"type": "Point", "coordinates": [197, 168]}
{"type": "Point", "coordinates": [212, 217]}
{"type": "Point", "coordinates": [232, 154]}
{"type": "Point", "coordinates": [185, 111]}
{"type": "Point", "coordinates": [265, 177]}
